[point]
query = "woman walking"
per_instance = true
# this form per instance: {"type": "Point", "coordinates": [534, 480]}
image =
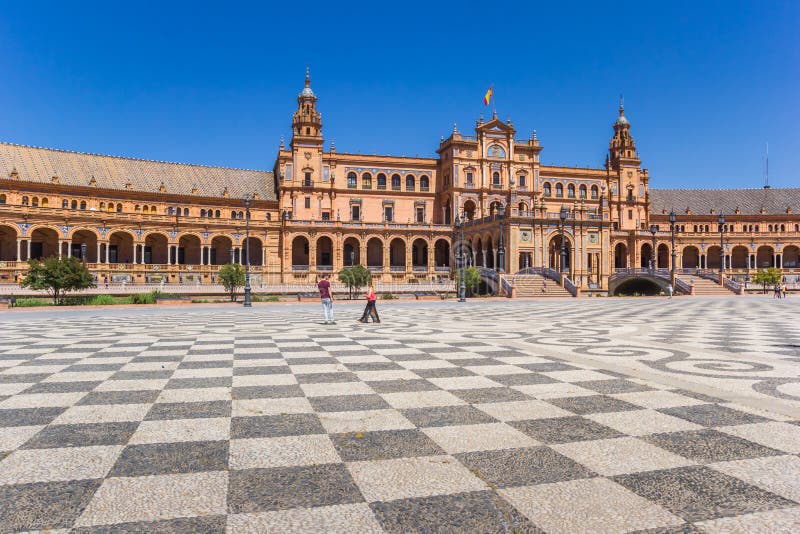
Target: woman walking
{"type": "Point", "coordinates": [370, 310]}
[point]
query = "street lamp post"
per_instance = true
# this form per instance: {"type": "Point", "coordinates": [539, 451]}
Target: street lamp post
{"type": "Point", "coordinates": [352, 263]}
{"type": "Point", "coordinates": [672, 219]}
{"type": "Point", "coordinates": [721, 221]}
{"type": "Point", "coordinates": [247, 296]}
{"type": "Point", "coordinates": [653, 255]}
{"type": "Point", "coordinates": [563, 216]}
{"type": "Point", "coordinates": [501, 250]}
{"type": "Point", "coordinates": [462, 285]}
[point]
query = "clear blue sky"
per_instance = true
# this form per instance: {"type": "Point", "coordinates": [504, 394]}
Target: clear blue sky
{"type": "Point", "coordinates": [706, 84]}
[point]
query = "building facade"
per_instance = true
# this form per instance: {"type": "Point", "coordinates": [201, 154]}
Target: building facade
{"type": "Point", "coordinates": [485, 199]}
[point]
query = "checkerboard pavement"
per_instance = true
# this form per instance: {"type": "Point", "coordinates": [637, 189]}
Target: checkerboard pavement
{"type": "Point", "coordinates": [162, 427]}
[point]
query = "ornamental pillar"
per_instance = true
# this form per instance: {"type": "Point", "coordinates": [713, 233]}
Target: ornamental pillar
{"type": "Point", "coordinates": [19, 249]}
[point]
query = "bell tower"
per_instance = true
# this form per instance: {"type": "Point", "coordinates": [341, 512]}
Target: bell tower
{"type": "Point", "coordinates": [627, 181]}
{"type": "Point", "coordinates": [306, 121]}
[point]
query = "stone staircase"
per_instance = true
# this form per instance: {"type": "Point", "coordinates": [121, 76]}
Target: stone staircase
{"type": "Point", "coordinates": [534, 285]}
{"type": "Point", "coordinates": [704, 286]}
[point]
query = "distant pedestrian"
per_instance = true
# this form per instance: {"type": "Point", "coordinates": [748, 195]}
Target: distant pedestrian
{"type": "Point", "coordinates": [105, 281]}
{"type": "Point", "coordinates": [370, 310]}
{"type": "Point", "coordinates": [669, 291]}
{"type": "Point", "coordinates": [784, 289]}
{"type": "Point", "coordinates": [776, 291]}
{"type": "Point", "coordinates": [326, 297]}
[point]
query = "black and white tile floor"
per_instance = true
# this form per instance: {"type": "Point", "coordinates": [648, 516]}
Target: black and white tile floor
{"type": "Point", "coordinates": [265, 421]}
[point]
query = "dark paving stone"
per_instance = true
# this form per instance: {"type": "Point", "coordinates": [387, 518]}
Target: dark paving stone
{"type": "Point", "coordinates": [339, 353]}
{"type": "Point", "coordinates": [523, 467]}
{"type": "Point", "coordinates": [120, 397]}
{"type": "Point", "coordinates": [45, 361]}
{"type": "Point", "coordinates": [31, 378]}
{"type": "Point", "coordinates": [267, 392]}
{"type": "Point", "coordinates": [62, 387]}
{"type": "Point", "coordinates": [548, 367]}
{"type": "Point", "coordinates": [406, 357]}
{"type": "Point", "coordinates": [399, 386]}
{"type": "Point", "coordinates": [523, 379]}
{"type": "Point", "coordinates": [447, 416]}
{"type": "Point", "coordinates": [384, 445]}
{"type": "Point", "coordinates": [698, 396]}
{"type": "Point", "coordinates": [29, 416]}
{"type": "Point", "coordinates": [323, 378]}
{"type": "Point", "coordinates": [482, 395]}
{"type": "Point", "coordinates": [255, 490]}
{"type": "Point", "coordinates": [698, 493]}
{"type": "Point", "coordinates": [270, 426]}
{"type": "Point", "coordinates": [93, 367]}
{"type": "Point", "coordinates": [313, 348]}
{"type": "Point", "coordinates": [348, 403]}
{"type": "Point", "coordinates": [44, 505]}
{"type": "Point", "coordinates": [565, 429]}
{"type": "Point", "coordinates": [206, 382]}
{"type": "Point", "coordinates": [82, 435]}
{"type": "Point", "coordinates": [213, 364]}
{"type": "Point", "coordinates": [142, 375]}
{"type": "Point", "coordinates": [196, 525]}
{"type": "Point", "coordinates": [443, 372]}
{"type": "Point", "coordinates": [210, 352]}
{"type": "Point", "coordinates": [314, 360]}
{"type": "Point", "coordinates": [479, 511]}
{"type": "Point", "coordinates": [259, 356]}
{"type": "Point", "coordinates": [612, 386]}
{"type": "Point", "coordinates": [373, 366]}
{"type": "Point", "coordinates": [687, 528]}
{"type": "Point", "coordinates": [170, 458]}
{"type": "Point", "coordinates": [593, 404]}
{"type": "Point", "coordinates": [262, 370]}
{"type": "Point", "coordinates": [150, 359]}
{"type": "Point", "coordinates": [706, 446]}
{"type": "Point", "coordinates": [713, 415]}
{"type": "Point", "coordinates": [474, 362]}
{"type": "Point", "coordinates": [189, 410]}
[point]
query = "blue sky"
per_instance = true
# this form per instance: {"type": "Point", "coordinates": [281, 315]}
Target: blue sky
{"type": "Point", "coordinates": [706, 84]}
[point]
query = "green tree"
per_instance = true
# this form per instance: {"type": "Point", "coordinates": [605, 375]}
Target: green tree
{"type": "Point", "coordinates": [354, 278]}
{"type": "Point", "coordinates": [231, 275]}
{"type": "Point", "coordinates": [472, 279]}
{"type": "Point", "coordinates": [768, 277]}
{"type": "Point", "coordinates": [58, 276]}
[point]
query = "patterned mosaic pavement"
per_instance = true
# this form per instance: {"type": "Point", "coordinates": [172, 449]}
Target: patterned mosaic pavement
{"type": "Point", "coordinates": [604, 415]}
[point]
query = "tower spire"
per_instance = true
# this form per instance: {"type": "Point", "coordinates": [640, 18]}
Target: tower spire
{"type": "Point", "coordinates": [308, 77]}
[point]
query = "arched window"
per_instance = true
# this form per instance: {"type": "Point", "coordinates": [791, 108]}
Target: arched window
{"type": "Point", "coordinates": [757, 228]}
{"type": "Point", "coordinates": [137, 208]}
{"type": "Point", "coordinates": [44, 202]}
{"type": "Point", "coordinates": [395, 182]}
{"type": "Point", "coordinates": [381, 181]}
{"type": "Point", "coordinates": [496, 151]}
{"type": "Point", "coordinates": [559, 190]}
{"type": "Point", "coordinates": [241, 215]}
{"type": "Point", "coordinates": [74, 204]}
{"type": "Point", "coordinates": [571, 191]}
{"type": "Point", "coordinates": [410, 182]}
{"type": "Point", "coordinates": [65, 204]}
{"type": "Point", "coordinates": [145, 209]}
{"type": "Point", "coordinates": [496, 179]}
{"type": "Point", "coordinates": [783, 228]}
{"type": "Point", "coordinates": [522, 181]}
{"type": "Point", "coordinates": [769, 228]}
{"type": "Point", "coordinates": [35, 202]}
{"type": "Point", "coordinates": [185, 212]}
{"type": "Point", "coordinates": [366, 181]}
{"type": "Point", "coordinates": [24, 201]}
{"type": "Point", "coordinates": [594, 191]}
{"type": "Point", "coordinates": [111, 206]}
{"type": "Point", "coordinates": [217, 214]}
{"type": "Point", "coordinates": [119, 208]}
{"type": "Point", "coordinates": [202, 213]}
{"type": "Point", "coordinates": [797, 227]}
{"type": "Point", "coordinates": [424, 183]}
{"type": "Point", "coordinates": [233, 215]}
{"type": "Point", "coordinates": [2, 199]}
{"type": "Point", "coordinates": [582, 190]}
{"type": "Point", "coordinates": [352, 180]}
{"type": "Point", "coordinates": [522, 208]}
{"type": "Point", "coordinates": [547, 189]}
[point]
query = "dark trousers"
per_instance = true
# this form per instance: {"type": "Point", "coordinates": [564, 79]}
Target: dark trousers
{"type": "Point", "coordinates": [370, 311]}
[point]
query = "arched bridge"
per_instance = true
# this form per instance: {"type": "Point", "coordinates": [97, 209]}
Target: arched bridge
{"type": "Point", "coordinates": [656, 278]}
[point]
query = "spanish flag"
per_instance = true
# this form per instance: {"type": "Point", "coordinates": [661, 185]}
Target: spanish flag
{"type": "Point", "coordinates": [487, 97]}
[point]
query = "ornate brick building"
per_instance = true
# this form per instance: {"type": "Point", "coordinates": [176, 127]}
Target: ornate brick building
{"type": "Point", "coordinates": [319, 210]}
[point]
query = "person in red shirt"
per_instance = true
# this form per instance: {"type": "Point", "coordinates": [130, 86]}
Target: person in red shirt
{"type": "Point", "coordinates": [326, 296]}
{"type": "Point", "coordinates": [370, 310]}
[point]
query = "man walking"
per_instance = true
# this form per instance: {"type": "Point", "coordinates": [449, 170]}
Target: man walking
{"type": "Point", "coordinates": [669, 291]}
{"type": "Point", "coordinates": [326, 296]}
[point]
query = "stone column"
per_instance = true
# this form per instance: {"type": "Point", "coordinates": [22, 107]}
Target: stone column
{"type": "Point", "coordinates": [19, 249]}
{"type": "Point", "coordinates": [29, 250]}
{"type": "Point", "coordinates": [483, 252]}
{"type": "Point", "coordinates": [60, 248]}
{"type": "Point", "coordinates": [494, 257]}
{"type": "Point", "coordinates": [99, 259]}
{"type": "Point", "coordinates": [169, 254]}
{"type": "Point", "coordinates": [263, 256]}
{"type": "Point", "coordinates": [108, 253]}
